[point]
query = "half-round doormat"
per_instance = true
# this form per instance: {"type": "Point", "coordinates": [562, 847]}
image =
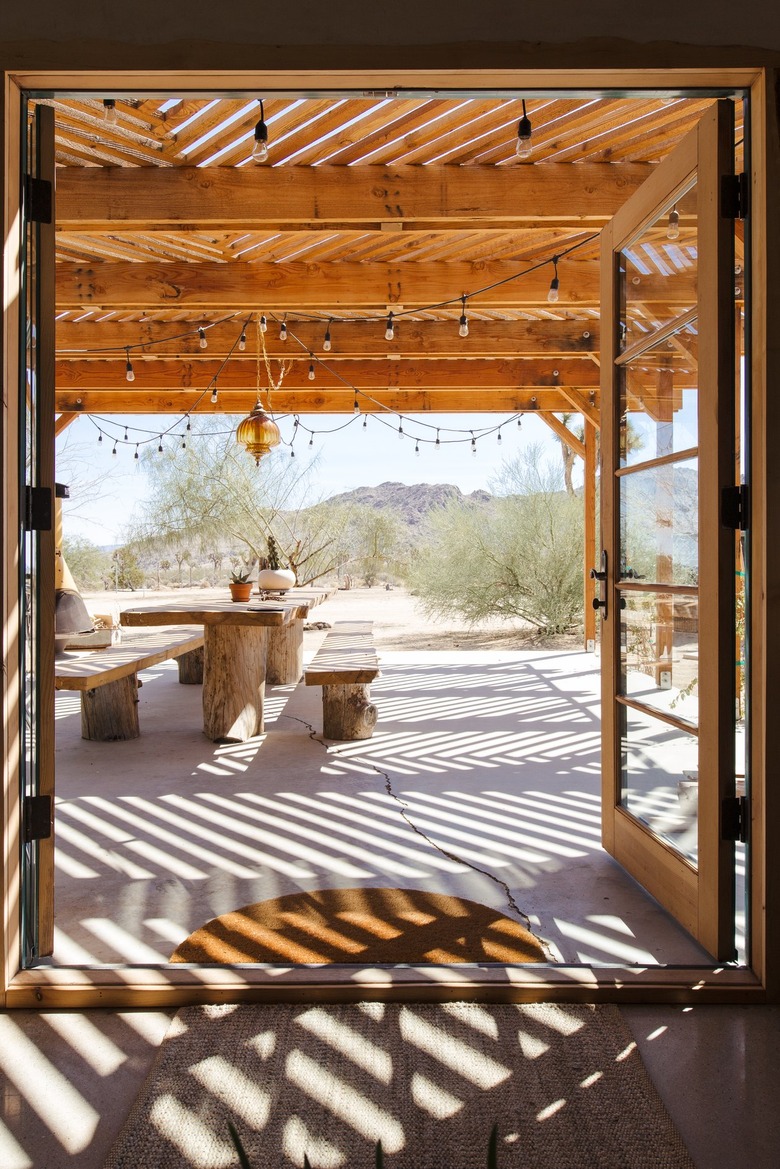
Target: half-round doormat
{"type": "Point", "coordinates": [364, 926]}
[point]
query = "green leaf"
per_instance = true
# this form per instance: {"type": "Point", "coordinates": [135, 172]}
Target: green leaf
{"type": "Point", "coordinates": [242, 1157]}
{"type": "Point", "coordinates": [493, 1148]}
{"type": "Point", "coordinates": [379, 1157]}
{"type": "Point", "coordinates": [306, 1164]}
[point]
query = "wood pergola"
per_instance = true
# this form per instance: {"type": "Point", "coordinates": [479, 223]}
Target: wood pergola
{"type": "Point", "coordinates": [367, 204]}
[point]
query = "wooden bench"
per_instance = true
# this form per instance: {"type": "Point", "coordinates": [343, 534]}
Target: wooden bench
{"type": "Point", "coordinates": [344, 666]}
{"type": "Point", "coordinates": [108, 681]}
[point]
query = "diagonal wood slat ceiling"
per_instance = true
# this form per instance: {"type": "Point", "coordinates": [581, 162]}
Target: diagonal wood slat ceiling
{"type": "Point", "coordinates": [366, 203]}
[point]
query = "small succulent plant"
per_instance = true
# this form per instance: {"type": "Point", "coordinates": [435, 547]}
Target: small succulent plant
{"type": "Point", "coordinates": [244, 1162]}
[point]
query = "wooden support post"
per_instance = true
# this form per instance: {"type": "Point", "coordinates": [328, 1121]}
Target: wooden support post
{"type": "Point", "coordinates": [284, 662]}
{"type": "Point", "coordinates": [590, 550]}
{"type": "Point", "coordinates": [191, 667]}
{"type": "Point", "coordinates": [347, 712]}
{"type": "Point", "coordinates": [234, 682]}
{"type": "Point", "coordinates": [110, 712]}
{"type": "Point", "coordinates": [664, 529]}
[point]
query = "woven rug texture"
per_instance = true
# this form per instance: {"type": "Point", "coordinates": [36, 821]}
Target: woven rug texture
{"type": "Point", "coordinates": [369, 926]}
{"type": "Point", "coordinates": [564, 1083]}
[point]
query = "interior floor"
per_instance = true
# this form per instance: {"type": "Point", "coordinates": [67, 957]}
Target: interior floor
{"type": "Point", "coordinates": [481, 780]}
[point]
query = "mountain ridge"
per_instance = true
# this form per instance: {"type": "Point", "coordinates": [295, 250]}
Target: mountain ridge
{"type": "Point", "coordinates": [411, 501]}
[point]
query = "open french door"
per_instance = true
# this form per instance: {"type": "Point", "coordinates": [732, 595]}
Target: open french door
{"type": "Point", "coordinates": [668, 563]}
{"type": "Point", "coordinates": [36, 535]}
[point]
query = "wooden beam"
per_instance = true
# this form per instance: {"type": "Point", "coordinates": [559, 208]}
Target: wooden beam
{"type": "Point", "coordinates": [312, 401]}
{"type": "Point", "coordinates": [588, 410]}
{"type": "Point", "coordinates": [62, 423]}
{"type": "Point", "coordinates": [418, 339]}
{"type": "Point", "coordinates": [563, 433]}
{"type": "Point", "coordinates": [224, 198]}
{"type": "Point", "coordinates": [275, 288]}
{"type": "Point", "coordinates": [172, 374]}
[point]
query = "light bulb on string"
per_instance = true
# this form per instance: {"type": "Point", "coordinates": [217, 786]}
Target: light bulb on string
{"type": "Point", "coordinates": [524, 133]}
{"type": "Point", "coordinates": [160, 447]}
{"type": "Point", "coordinates": [437, 444]}
{"type": "Point", "coordinates": [520, 422]}
{"type": "Point", "coordinates": [498, 438]}
{"type": "Point", "coordinates": [673, 227]}
{"type": "Point", "coordinates": [242, 341]}
{"type": "Point", "coordinates": [189, 427]}
{"type": "Point", "coordinates": [552, 295]}
{"type": "Point", "coordinates": [400, 429]}
{"type": "Point", "coordinates": [129, 372]}
{"type": "Point", "coordinates": [326, 345]}
{"type": "Point", "coordinates": [100, 436]}
{"type": "Point", "coordinates": [114, 450]}
{"type": "Point", "coordinates": [389, 328]}
{"type": "Point", "coordinates": [263, 323]}
{"type": "Point", "coordinates": [356, 407]}
{"type": "Point", "coordinates": [183, 443]}
{"type": "Point", "coordinates": [260, 148]}
{"type": "Point", "coordinates": [202, 338]}
{"type": "Point", "coordinates": [135, 456]}
{"type": "Point", "coordinates": [311, 367]}
{"type": "Point", "coordinates": [416, 447]}
{"type": "Point", "coordinates": [126, 435]}
{"type": "Point", "coordinates": [473, 444]}
{"type": "Point", "coordinates": [311, 440]}
{"type": "Point", "coordinates": [365, 421]}
{"type": "Point", "coordinates": [110, 113]}
{"type": "Point", "coordinates": [214, 395]}
{"type": "Point", "coordinates": [283, 331]}
{"type": "Point", "coordinates": [463, 324]}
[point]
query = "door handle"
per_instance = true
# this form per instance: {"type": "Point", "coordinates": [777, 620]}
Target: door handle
{"type": "Point", "coordinates": [600, 574]}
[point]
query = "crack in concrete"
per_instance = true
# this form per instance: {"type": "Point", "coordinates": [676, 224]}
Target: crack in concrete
{"type": "Point", "coordinates": [524, 918]}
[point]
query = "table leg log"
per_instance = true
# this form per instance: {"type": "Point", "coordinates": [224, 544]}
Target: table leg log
{"type": "Point", "coordinates": [233, 682]}
{"type": "Point", "coordinates": [284, 665]}
{"type": "Point", "coordinates": [191, 667]}
{"type": "Point", "coordinates": [110, 712]}
{"type": "Point", "coordinates": [347, 712]}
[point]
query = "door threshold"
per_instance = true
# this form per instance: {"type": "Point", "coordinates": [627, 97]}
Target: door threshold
{"type": "Point", "coordinates": [52, 987]}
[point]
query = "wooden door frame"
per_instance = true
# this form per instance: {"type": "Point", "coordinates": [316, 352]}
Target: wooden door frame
{"type": "Point", "coordinates": [159, 986]}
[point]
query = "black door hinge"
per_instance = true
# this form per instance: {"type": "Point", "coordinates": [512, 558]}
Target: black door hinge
{"type": "Point", "coordinates": [735, 819]}
{"type": "Point", "coordinates": [37, 509]}
{"type": "Point", "coordinates": [38, 199]}
{"type": "Point", "coordinates": [734, 196]}
{"type": "Point", "coordinates": [734, 508]}
{"type": "Point", "coordinates": [36, 818]}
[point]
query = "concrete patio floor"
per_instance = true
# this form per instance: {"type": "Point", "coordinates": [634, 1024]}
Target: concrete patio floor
{"type": "Point", "coordinates": [492, 754]}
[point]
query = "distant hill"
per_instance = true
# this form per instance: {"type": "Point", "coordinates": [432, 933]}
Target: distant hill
{"type": "Point", "coordinates": [411, 502]}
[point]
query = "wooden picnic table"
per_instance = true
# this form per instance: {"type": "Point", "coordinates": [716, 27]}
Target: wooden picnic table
{"type": "Point", "coordinates": [246, 644]}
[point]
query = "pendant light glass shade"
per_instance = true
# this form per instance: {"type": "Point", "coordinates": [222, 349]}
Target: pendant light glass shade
{"type": "Point", "coordinates": [258, 433]}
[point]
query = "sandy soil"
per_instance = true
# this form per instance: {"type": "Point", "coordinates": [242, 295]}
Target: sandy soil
{"type": "Point", "coordinates": [399, 621]}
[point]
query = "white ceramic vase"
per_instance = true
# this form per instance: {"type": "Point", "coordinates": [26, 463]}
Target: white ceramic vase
{"type": "Point", "coordinates": [275, 580]}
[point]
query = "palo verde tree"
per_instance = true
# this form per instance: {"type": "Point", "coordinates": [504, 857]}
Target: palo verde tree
{"type": "Point", "coordinates": [213, 496]}
{"type": "Point", "coordinates": [518, 556]}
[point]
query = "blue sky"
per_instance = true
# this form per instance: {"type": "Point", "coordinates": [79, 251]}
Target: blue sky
{"type": "Point", "coordinates": [105, 489]}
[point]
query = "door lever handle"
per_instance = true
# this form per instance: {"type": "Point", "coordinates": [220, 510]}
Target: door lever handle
{"type": "Point", "coordinates": [597, 574]}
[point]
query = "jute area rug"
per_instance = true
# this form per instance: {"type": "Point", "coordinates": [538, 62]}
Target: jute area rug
{"type": "Point", "coordinates": [369, 926]}
{"type": "Point", "coordinates": [565, 1085]}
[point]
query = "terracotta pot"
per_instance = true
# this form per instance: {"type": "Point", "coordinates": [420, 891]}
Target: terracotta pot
{"type": "Point", "coordinates": [240, 590]}
{"type": "Point", "coordinates": [275, 580]}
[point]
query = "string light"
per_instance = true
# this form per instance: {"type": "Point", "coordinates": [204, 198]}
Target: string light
{"type": "Point", "coordinates": [260, 148]}
{"type": "Point", "coordinates": [263, 323]}
{"type": "Point", "coordinates": [110, 112]}
{"type": "Point", "coordinates": [283, 330]}
{"type": "Point", "coordinates": [129, 372]}
{"type": "Point", "coordinates": [400, 429]}
{"type": "Point", "coordinates": [189, 427]}
{"type": "Point", "coordinates": [311, 440]}
{"type": "Point", "coordinates": [214, 395]}
{"type": "Point", "coordinates": [183, 443]}
{"type": "Point", "coordinates": [204, 344]}
{"type": "Point", "coordinates": [356, 406]}
{"type": "Point", "coordinates": [552, 295]}
{"type": "Point", "coordinates": [160, 447]}
{"type": "Point", "coordinates": [673, 228]}
{"type": "Point", "coordinates": [242, 341]}
{"type": "Point", "coordinates": [390, 328]}
{"type": "Point", "coordinates": [311, 367]}
{"type": "Point", "coordinates": [437, 445]}
{"type": "Point", "coordinates": [473, 444]}
{"type": "Point", "coordinates": [498, 438]}
{"type": "Point", "coordinates": [326, 342]}
{"type": "Point", "coordinates": [114, 450]}
{"type": "Point", "coordinates": [416, 447]}
{"type": "Point", "coordinates": [463, 329]}
{"type": "Point", "coordinates": [100, 436]}
{"type": "Point", "coordinates": [135, 456]}
{"type": "Point", "coordinates": [524, 132]}
{"type": "Point", "coordinates": [365, 421]}
{"type": "Point", "coordinates": [125, 434]}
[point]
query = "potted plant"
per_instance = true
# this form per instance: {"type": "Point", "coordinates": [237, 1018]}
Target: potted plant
{"type": "Point", "coordinates": [275, 577]}
{"type": "Point", "coordinates": [240, 584]}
